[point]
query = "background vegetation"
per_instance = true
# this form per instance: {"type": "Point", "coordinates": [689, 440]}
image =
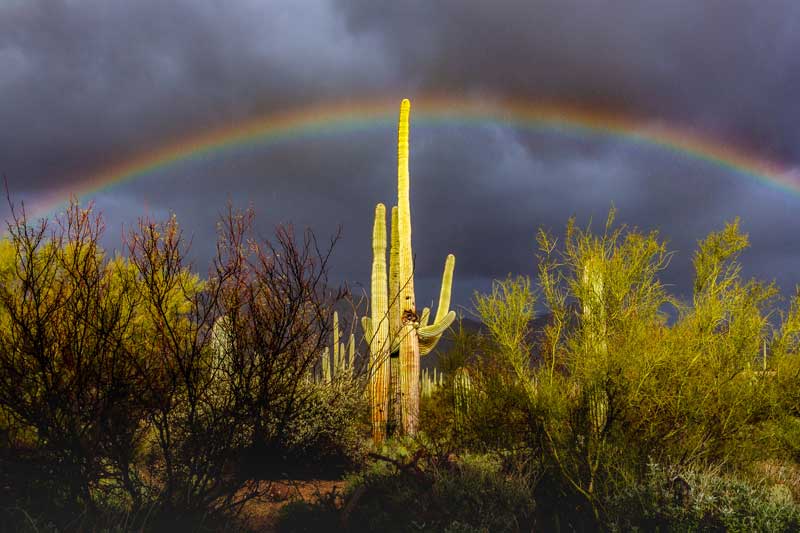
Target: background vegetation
{"type": "Point", "coordinates": [136, 395]}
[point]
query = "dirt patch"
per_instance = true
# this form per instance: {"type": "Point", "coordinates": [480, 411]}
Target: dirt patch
{"type": "Point", "coordinates": [260, 513]}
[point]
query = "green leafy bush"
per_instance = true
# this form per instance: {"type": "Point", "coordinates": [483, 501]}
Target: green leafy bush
{"type": "Point", "coordinates": [328, 436]}
{"type": "Point", "coordinates": [702, 500]}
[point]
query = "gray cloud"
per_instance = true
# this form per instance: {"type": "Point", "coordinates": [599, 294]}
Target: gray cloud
{"type": "Point", "coordinates": [91, 83]}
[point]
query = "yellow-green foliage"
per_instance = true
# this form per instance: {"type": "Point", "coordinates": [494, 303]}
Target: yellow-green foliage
{"type": "Point", "coordinates": [612, 383]}
{"type": "Point", "coordinates": [507, 312]}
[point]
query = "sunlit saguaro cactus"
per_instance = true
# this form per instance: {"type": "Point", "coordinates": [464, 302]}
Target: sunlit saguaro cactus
{"type": "Point", "coordinates": [221, 339]}
{"type": "Point", "coordinates": [414, 340]}
{"type": "Point", "coordinates": [395, 420]}
{"type": "Point", "coordinates": [343, 354]}
{"type": "Point", "coordinates": [594, 317]}
{"type": "Point", "coordinates": [409, 334]}
{"type": "Point", "coordinates": [425, 389]}
{"type": "Point", "coordinates": [594, 312]}
{"type": "Point", "coordinates": [376, 330]}
{"type": "Point", "coordinates": [409, 321]}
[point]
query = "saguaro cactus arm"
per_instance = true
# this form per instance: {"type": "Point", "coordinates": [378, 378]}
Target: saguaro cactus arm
{"type": "Point", "coordinates": [379, 305]}
{"type": "Point", "coordinates": [436, 329]}
{"type": "Point", "coordinates": [447, 285]}
{"type": "Point", "coordinates": [337, 356]}
{"type": "Point", "coordinates": [366, 325]}
{"type": "Point", "coordinates": [429, 338]}
{"type": "Point", "coordinates": [424, 317]}
{"type": "Point", "coordinates": [429, 335]}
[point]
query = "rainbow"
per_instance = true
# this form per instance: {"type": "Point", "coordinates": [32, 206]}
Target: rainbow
{"type": "Point", "coordinates": [334, 118]}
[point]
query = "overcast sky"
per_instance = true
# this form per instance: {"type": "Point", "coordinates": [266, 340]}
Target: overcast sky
{"type": "Point", "coordinates": [87, 84]}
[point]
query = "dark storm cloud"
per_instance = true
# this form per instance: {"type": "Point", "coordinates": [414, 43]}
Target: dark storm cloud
{"type": "Point", "coordinates": [90, 83]}
{"type": "Point", "coordinates": [728, 69]}
{"type": "Point", "coordinates": [728, 65]}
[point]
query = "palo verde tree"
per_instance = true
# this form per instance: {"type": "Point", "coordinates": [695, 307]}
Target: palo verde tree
{"type": "Point", "coordinates": [68, 377]}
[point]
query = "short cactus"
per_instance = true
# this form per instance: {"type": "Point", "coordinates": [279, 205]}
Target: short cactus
{"type": "Point", "coordinates": [326, 365]}
{"type": "Point", "coordinates": [597, 410]}
{"type": "Point", "coordinates": [429, 382]}
{"type": "Point", "coordinates": [462, 385]}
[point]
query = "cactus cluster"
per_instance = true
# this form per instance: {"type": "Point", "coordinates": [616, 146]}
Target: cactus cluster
{"type": "Point", "coordinates": [343, 355]}
{"type": "Point", "coordinates": [396, 334]}
{"type": "Point", "coordinates": [429, 382]}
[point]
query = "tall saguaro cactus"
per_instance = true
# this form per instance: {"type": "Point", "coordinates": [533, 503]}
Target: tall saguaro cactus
{"type": "Point", "coordinates": [378, 326]}
{"type": "Point", "coordinates": [394, 327]}
{"type": "Point", "coordinates": [594, 315]}
{"type": "Point", "coordinates": [409, 340]}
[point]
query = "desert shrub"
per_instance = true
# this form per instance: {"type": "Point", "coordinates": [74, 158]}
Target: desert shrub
{"type": "Point", "coordinates": [119, 403]}
{"type": "Point", "coordinates": [496, 410]}
{"type": "Point", "coordinates": [470, 494]}
{"type": "Point", "coordinates": [670, 499]}
{"type": "Point", "coordinates": [475, 492]}
{"type": "Point", "coordinates": [68, 379]}
{"type": "Point", "coordinates": [709, 375]}
{"type": "Point", "coordinates": [230, 399]}
{"type": "Point", "coordinates": [438, 420]}
{"type": "Point", "coordinates": [299, 516]}
{"type": "Point", "coordinates": [327, 437]}
{"type": "Point", "coordinates": [277, 305]}
{"type": "Point", "coordinates": [196, 432]}
{"type": "Point", "coordinates": [781, 435]}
